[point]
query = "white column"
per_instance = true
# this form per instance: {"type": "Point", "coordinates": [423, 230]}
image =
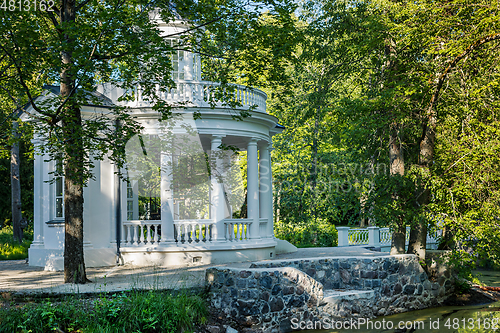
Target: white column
{"type": "Point", "coordinates": [38, 196]}
{"type": "Point", "coordinates": [217, 201]}
{"type": "Point", "coordinates": [265, 189]}
{"type": "Point", "coordinates": [271, 199]}
{"type": "Point", "coordinates": [253, 189]}
{"type": "Point", "coordinates": [167, 200]}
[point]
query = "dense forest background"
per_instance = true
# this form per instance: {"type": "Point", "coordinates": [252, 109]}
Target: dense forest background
{"type": "Point", "coordinates": [392, 118]}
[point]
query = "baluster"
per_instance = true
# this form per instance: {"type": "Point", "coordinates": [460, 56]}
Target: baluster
{"type": "Point", "coordinates": [148, 235]}
{"type": "Point", "coordinates": [227, 232]}
{"type": "Point", "coordinates": [155, 237]}
{"type": "Point", "coordinates": [213, 232]}
{"type": "Point", "coordinates": [142, 234]}
{"type": "Point", "coordinates": [136, 234]}
{"type": "Point", "coordinates": [177, 233]}
{"type": "Point", "coordinates": [129, 235]}
{"type": "Point", "coordinates": [239, 232]}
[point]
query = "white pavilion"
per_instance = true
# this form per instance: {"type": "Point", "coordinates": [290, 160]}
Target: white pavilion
{"type": "Point", "coordinates": [187, 197]}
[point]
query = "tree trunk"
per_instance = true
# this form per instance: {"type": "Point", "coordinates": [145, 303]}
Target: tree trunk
{"type": "Point", "coordinates": [418, 240]}
{"type": "Point", "coordinates": [74, 264]}
{"type": "Point", "coordinates": [15, 183]}
{"type": "Point", "coordinates": [398, 239]}
{"type": "Point", "coordinates": [418, 234]}
{"type": "Point", "coordinates": [397, 167]}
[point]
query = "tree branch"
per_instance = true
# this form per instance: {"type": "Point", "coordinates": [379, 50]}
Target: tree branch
{"type": "Point", "coordinates": [452, 65]}
{"type": "Point", "coordinates": [80, 6]}
{"type": "Point", "coordinates": [21, 79]}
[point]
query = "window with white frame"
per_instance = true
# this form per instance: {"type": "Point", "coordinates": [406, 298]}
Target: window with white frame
{"type": "Point", "coordinates": [130, 201]}
{"type": "Point", "coordinates": [177, 61]}
{"type": "Point", "coordinates": [59, 189]}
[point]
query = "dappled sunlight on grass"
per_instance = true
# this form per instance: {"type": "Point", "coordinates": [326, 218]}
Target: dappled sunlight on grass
{"type": "Point", "coordinates": [10, 250]}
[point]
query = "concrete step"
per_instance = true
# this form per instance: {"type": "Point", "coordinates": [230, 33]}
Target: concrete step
{"type": "Point", "coordinates": [334, 296]}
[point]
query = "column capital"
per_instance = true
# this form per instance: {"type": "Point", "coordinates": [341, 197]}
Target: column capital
{"type": "Point", "coordinates": [217, 137]}
{"type": "Point", "coordinates": [266, 144]}
{"type": "Point", "coordinates": [253, 142]}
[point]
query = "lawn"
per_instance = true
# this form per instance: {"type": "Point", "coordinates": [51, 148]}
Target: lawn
{"type": "Point", "coordinates": [10, 250]}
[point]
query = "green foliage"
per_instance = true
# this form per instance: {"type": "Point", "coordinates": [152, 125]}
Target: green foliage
{"type": "Point", "coordinates": [318, 234]}
{"type": "Point", "coordinates": [10, 250]}
{"type": "Point", "coordinates": [26, 176]}
{"type": "Point", "coordinates": [152, 311]}
{"type": "Point", "coordinates": [365, 71]}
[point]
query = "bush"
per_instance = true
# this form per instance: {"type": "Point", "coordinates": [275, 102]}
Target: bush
{"type": "Point", "coordinates": [311, 234]}
{"type": "Point", "coordinates": [145, 312]}
{"type": "Point", "coordinates": [10, 250]}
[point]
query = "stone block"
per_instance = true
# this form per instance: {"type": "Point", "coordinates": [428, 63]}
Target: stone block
{"type": "Point", "coordinates": [241, 283]}
{"type": "Point", "coordinates": [276, 289]}
{"type": "Point", "coordinates": [397, 289]}
{"type": "Point", "coordinates": [409, 289]}
{"type": "Point", "coordinates": [287, 290]}
{"type": "Point", "coordinates": [245, 274]}
{"type": "Point", "coordinates": [276, 304]}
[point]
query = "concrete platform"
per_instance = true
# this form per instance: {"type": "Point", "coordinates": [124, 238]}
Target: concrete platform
{"type": "Point", "coordinates": [16, 276]}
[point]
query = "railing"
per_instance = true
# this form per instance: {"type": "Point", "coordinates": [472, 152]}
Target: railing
{"type": "Point", "coordinates": [199, 94]}
{"type": "Point", "coordinates": [141, 232]}
{"type": "Point", "coordinates": [385, 236]}
{"type": "Point", "coordinates": [375, 236]}
{"type": "Point", "coordinates": [194, 231]}
{"type": "Point", "coordinates": [148, 232]}
{"type": "Point", "coordinates": [358, 236]}
{"type": "Point", "coordinates": [237, 230]}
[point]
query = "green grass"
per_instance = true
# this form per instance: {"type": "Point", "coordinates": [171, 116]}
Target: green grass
{"type": "Point", "coordinates": [10, 250]}
{"type": "Point", "coordinates": [145, 312]}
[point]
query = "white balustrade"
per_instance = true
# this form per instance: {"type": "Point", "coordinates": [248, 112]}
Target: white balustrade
{"type": "Point", "coordinates": [385, 236]}
{"type": "Point", "coordinates": [141, 232]}
{"type": "Point", "coordinates": [202, 94]}
{"type": "Point", "coordinates": [375, 236]}
{"type": "Point", "coordinates": [237, 230]}
{"type": "Point", "coordinates": [358, 236]}
{"type": "Point", "coordinates": [148, 232]}
{"type": "Point", "coordinates": [194, 231]}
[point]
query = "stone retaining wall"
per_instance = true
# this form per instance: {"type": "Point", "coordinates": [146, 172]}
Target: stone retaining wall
{"type": "Point", "coordinates": [263, 298]}
{"type": "Point", "coordinates": [272, 293]}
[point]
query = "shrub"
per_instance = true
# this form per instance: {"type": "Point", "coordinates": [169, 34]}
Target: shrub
{"type": "Point", "coordinates": [311, 234]}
